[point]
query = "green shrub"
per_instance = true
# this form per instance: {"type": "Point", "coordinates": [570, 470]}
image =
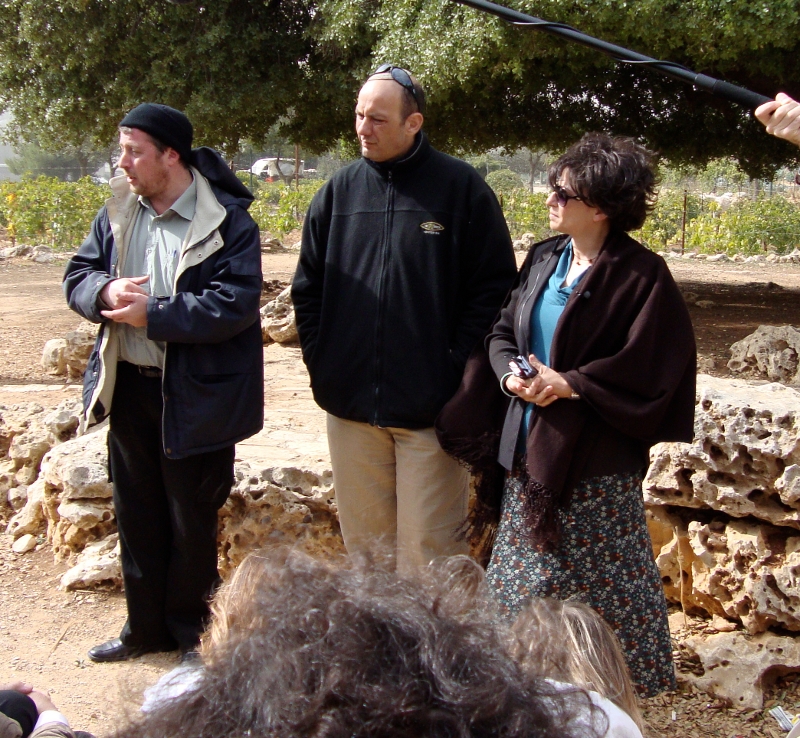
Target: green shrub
{"type": "Point", "coordinates": [45, 210]}
{"type": "Point", "coordinates": [504, 182]}
{"type": "Point", "coordinates": [280, 208]}
{"type": "Point", "coordinates": [747, 227]}
{"type": "Point", "coordinates": [527, 212]}
{"type": "Point", "coordinates": [663, 226]}
{"type": "Point", "coordinates": [253, 183]}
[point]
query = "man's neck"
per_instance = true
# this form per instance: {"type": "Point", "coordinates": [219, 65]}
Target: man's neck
{"type": "Point", "coordinates": [178, 184]}
{"type": "Point", "coordinates": [410, 150]}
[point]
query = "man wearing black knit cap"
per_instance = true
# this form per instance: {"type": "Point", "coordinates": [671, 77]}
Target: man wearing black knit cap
{"type": "Point", "coordinates": [172, 272]}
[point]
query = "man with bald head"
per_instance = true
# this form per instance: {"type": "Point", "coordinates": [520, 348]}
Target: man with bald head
{"type": "Point", "coordinates": [405, 261]}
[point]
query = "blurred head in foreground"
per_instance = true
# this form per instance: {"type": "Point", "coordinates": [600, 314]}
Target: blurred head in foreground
{"type": "Point", "coordinates": [301, 647]}
{"type": "Point", "coordinates": [569, 642]}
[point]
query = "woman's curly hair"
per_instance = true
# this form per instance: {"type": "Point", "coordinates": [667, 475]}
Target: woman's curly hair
{"type": "Point", "coordinates": [612, 173]}
{"type": "Point", "coordinates": [303, 647]}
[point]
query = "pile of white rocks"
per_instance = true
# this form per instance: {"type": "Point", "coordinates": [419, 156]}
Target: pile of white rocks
{"type": "Point", "coordinates": [70, 506]}
{"type": "Point", "coordinates": [724, 517]}
{"type": "Point", "coordinates": [39, 254]}
{"type": "Point", "coordinates": [792, 257]}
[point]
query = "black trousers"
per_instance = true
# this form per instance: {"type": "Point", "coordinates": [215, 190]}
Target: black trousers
{"type": "Point", "coordinates": [166, 513]}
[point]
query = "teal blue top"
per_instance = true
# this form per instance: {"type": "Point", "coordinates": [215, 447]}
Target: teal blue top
{"type": "Point", "coordinates": [545, 314]}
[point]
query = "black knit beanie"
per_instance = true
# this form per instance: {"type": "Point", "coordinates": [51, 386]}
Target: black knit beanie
{"type": "Point", "coordinates": [169, 126]}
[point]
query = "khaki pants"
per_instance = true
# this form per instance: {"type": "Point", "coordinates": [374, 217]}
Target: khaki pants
{"type": "Point", "coordinates": [396, 487]}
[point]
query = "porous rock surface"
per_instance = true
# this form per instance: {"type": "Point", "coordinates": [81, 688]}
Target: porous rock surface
{"type": "Point", "coordinates": [737, 666]}
{"type": "Point", "coordinates": [27, 433]}
{"type": "Point", "coordinates": [279, 506]}
{"type": "Point", "coordinates": [277, 319]}
{"type": "Point", "coordinates": [70, 354]}
{"type": "Point", "coordinates": [72, 501]}
{"type": "Point", "coordinates": [724, 511]}
{"type": "Point", "coordinates": [745, 457]}
{"type": "Point", "coordinates": [771, 352]}
{"type": "Point", "coordinates": [77, 494]}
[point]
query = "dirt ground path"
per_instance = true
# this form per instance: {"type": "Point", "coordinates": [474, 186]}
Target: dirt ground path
{"type": "Point", "coordinates": [45, 633]}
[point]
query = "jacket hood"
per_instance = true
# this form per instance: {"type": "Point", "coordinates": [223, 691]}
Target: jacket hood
{"type": "Point", "coordinates": [213, 167]}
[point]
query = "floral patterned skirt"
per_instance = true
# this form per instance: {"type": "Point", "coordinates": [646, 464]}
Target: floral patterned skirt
{"type": "Point", "coordinates": [605, 559]}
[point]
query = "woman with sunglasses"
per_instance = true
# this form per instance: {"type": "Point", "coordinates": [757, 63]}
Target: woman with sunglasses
{"type": "Point", "coordinates": [612, 360]}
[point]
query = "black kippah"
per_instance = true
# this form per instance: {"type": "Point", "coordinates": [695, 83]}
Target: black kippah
{"type": "Point", "coordinates": [168, 125]}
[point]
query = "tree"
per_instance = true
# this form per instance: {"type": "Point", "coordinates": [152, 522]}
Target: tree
{"type": "Point", "coordinates": [69, 70]}
{"type": "Point", "coordinates": [69, 165]}
{"type": "Point", "coordinates": [492, 84]}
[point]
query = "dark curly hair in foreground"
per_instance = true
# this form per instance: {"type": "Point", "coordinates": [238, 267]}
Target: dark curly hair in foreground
{"type": "Point", "coordinates": [301, 647]}
{"type": "Point", "coordinates": [613, 174]}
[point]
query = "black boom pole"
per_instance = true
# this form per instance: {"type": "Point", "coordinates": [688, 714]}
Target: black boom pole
{"type": "Point", "coordinates": [747, 98]}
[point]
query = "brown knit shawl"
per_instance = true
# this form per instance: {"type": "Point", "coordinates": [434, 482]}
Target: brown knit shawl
{"type": "Point", "coordinates": [627, 349]}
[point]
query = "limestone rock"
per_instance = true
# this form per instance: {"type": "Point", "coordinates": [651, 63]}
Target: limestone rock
{"type": "Point", "coordinates": [771, 352]}
{"type": "Point", "coordinates": [20, 250]}
{"type": "Point", "coordinates": [744, 458]}
{"type": "Point", "coordinates": [23, 544]}
{"type": "Point", "coordinates": [286, 506]}
{"type": "Point", "coordinates": [79, 468]}
{"type": "Point", "coordinates": [271, 244]}
{"type": "Point", "coordinates": [17, 497]}
{"type": "Point", "coordinates": [42, 255]}
{"type": "Point", "coordinates": [528, 239]}
{"type": "Point", "coordinates": [97, 566]}
{"type": "Point", "coordinates": [737, 666]}
{"type": "Point", "coordinates": [273, 505]}
{"type": "Point", "coordinates": [31, 518]}
{"type": "Point", "coordinates": [277, 319]}
{"type": "Point", "coordinates": [15, 419]}
{"type": "Point", "coordinates": [42, 431]}
{"type": "Point", "coordinates": [80, 343]}
{"type": "Point", "coordinates": [737, 570]}
{"type": "Point", "coordinates": [54, 356]}
{"type": "Point", "coordinates": [78, 504]}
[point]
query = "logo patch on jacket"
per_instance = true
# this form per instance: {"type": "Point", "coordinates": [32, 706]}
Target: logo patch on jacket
{"type": "Point", "coordinates": [432, 228]}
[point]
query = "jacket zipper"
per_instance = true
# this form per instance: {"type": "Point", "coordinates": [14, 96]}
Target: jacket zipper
{"type": "Point", "coordinates": [528, 296]}
{"type": "Point", "coordinates": [387, 229]}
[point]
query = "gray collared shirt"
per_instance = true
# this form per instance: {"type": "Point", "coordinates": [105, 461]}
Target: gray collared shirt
{"type": "Point", "coordinates": [155, 250]}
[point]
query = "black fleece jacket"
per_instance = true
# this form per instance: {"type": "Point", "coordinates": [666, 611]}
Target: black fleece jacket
{"type": "Point", "coordinates": [402, 269]}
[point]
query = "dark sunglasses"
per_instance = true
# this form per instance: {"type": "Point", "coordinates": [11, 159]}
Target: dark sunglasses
{"type": "Point", "coordinates": [403, 78]}
{"type": "Point", "coordinates": [562, 198]}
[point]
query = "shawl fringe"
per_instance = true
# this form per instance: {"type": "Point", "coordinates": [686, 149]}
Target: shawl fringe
{"type": "Point", "coordinates": [539, 508]}
{"type": "Point", "coordinates": [479, 457]}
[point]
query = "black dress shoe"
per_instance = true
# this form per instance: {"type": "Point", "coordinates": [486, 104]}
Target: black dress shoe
{"type": "Point", "coordinates": [116, 650]}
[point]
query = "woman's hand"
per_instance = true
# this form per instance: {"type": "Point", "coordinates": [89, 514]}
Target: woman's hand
{"type": "Point", "coordinates": [543, 389]}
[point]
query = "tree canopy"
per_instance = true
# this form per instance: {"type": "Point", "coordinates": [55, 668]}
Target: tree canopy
{"type": "Point", "coordinates": [69, 70]}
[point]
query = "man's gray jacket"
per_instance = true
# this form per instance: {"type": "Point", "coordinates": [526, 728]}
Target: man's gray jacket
{"type": "Point", "coordinates": [213, 387]}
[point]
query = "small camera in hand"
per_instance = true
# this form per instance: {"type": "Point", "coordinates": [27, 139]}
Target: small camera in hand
{"type": "Point", "coordinates": [520, 367]}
